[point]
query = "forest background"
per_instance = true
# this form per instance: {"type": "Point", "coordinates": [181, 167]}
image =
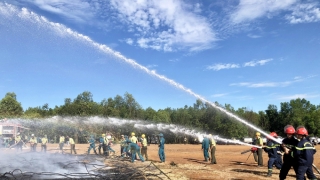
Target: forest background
{"type": "Point", "coordinates": [200, 116]}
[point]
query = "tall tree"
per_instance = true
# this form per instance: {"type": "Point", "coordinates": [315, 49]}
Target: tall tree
{"type": "Point", "coordinates": [9, 106]}
{"type": "Point", "coordinates": [273, 117]}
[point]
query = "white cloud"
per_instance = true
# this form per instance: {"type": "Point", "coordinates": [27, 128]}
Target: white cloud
{"type": "Point", "coordinates": [77, 10]}
{"type": "Point", "coordinates": [296, 96]}
{"type": "Point", "coordinates": [219, 95]}
{"type": "Point", "coordinates": [248, 10]}
{"type": "Point", "coordinates": [174, 60]}
{"type": "Point", "coordinates": [304, 13]}
{"type": "Point", "coordinates": [218, 67]}
{"type": "Point", "coordinates": [221, 66]}
{"type": "Point", "coordinates": [151, 66]}
{"type": "Point", "coordinates": [253, 36]}
{"type": "Point", "coordinates": [129, 41]}
{"type": "Point", "coordinates": [271, 84]}
{"type": "Point", "coordinates": [255, 63]}
{"type": "Point", "coordinates": [166, 25]}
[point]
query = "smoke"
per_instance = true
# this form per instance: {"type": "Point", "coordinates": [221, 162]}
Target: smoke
{"type": "Point", "coordinates": [41, 165]}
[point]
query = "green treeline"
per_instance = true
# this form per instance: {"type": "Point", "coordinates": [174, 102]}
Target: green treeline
{"type": "Point", "coordinates": [200, 115]}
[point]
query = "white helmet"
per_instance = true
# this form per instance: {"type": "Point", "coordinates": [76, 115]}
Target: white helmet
{"type": "Point", "coordinates": [32, 134]}
{"type": "Point", "coordinates": [18, 133]}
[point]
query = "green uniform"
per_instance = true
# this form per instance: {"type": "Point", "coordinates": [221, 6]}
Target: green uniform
{"type": "Point", "coordinates": [72, 145]}
{"type": "Point", "coordinates": [213, 151]}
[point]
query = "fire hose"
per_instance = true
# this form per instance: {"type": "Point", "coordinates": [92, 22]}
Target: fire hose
{"type": "Point", "coordinates": [313, 165]}
{"type": "Point", "coordinates": [253, 149]}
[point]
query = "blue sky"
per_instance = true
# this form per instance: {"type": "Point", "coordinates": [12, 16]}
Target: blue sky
{"type": "Point", "coordinates": [247, 53]}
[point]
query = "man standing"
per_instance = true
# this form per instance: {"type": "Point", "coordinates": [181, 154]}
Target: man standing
{"type": "Point", "coordinates": [133, 139]}
{"type": "Point", "coordinates": [185, 140]}
{"type": "Point", "coordinates": [144, 149]}
{"type": "Point", "coordinates": [44, 141]}
{"type": "Point", "coordinates": [213, 149]}
{"type": "Point", "coordinates": [272, 148]}
{"type": "Point", "coordinates": [103, 144]}
{"type": "Point", "coordinates": [303, 155]}
{"type": "Point", "coordinates": [122, 145]}
{"type": "Point", "coordinates": [287, 144]}
{"type": "Point", "coordinates": [135, 149]}
{"type": "Point", "coordinates": [205, 148]}
{"type": "Point", "coordinates": [61, 143]}
{"type": "Point", "coordinates": [19, 142]}
{"type": "Point", "coordinates": [33, 143]}
{"type": "Point", "coordinates": [72, 145]}
{"type": "Point", "coordinates": [259, 142]}
{"type": "Point", "coordinates": [92, 145]}
{"type": "Point", "coordinates": [161, 153]}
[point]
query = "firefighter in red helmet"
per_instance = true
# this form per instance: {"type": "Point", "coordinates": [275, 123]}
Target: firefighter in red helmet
{"type": "Point", "coordinates": [303, 155]}
{"type": "Point", "coordinates": [272, 148]}
{"type": "Point", "coordinates": [287, 144]}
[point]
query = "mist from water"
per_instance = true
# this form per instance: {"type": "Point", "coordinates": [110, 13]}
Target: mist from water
{"type": "Point", "coordinates": [47, 165]}
{"type": "Point", "coordinates": [141, 125]}
{"type": "Point", "coordinates": [12, 12]}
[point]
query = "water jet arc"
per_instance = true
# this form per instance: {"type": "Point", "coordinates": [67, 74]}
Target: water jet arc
{"type": "Point", "coordinates": [10, 11]}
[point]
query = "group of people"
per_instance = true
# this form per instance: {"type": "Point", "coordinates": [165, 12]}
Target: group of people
{"type": "Point", "coordinates": [129, 146]}
{"type": "Point", "coordinates": [104, 144]}
{"type": "Point", "coordinates": [20, 142]}
{"type": "Point", "coordinates": [295, 151]}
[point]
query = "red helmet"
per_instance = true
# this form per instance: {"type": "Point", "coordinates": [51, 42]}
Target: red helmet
{"type": "Point", "coordinates": [289, 130]}
{"type": "Point", "coordinates": [273, 134]}
{"type": "Point", "coordinates": [302, 131]}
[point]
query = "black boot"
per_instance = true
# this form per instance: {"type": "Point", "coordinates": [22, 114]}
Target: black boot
{"type": "Point", "coordinates": [269, 173]}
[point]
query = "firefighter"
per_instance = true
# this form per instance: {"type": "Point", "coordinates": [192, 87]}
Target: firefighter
{"type": "Point", "coordinates": [258, 142]}
{"type": "Point", "coordinates": [161, 153]}
{"type": "Point", "coordinates": [144, 149]}
{"type": "Point", "coordinates": [61, 143]}
{"type": "Point", "coordinates": [126, 149]}
{"type": "Point", "coordinates": [133, 138]}
{"type": "Point", "coordinates": [303, 155]}
{"type": "Point", "coordinates": [33, 143]}
{"type": "Point", "coordinates": [92, 145]}
{"type": "Point", "coordinates": [122, 146]}
{"type": "Point", "coordinates": [135, 149]}
{"type": "Point", "coordinates": [272, 148]}
{"type": "Point", "coordinates": [287, 144]}
{"type": "Point", "coordinates": [109, 144]}
{"type": "Point", "coordinates": [205, 148]}
{"type": "Point", "coordinates": [72, 145]}
{"type": "Point", "coordinates": [44, 142]}
{"type": "Point", "coordinates": [213, 144]}
{"type": "Point", "coordinates": [103, 144]}
{"type": "Point", "coordinates": [19, 142]}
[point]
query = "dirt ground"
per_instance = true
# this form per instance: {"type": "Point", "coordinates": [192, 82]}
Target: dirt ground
{"type": "Point", "coordinates": [187, 162]}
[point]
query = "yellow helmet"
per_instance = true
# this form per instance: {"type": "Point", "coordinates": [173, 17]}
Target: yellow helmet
{"type": "Point", "coordinates": [133, 134]}
{"type": "Point", "coordinates": [103, 135]}
{"type": "Point", "coordinates": [143, 135]}
{"type": "Point", "coordinates": [257, 134]}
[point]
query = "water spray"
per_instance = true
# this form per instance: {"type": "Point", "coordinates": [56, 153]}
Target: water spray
{"type": "Point", "coordinates": [10, 10]}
